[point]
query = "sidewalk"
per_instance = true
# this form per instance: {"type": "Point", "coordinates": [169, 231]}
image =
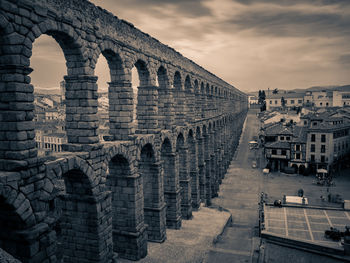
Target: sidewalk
{"type": "Point", "coordinates": [192, 241]}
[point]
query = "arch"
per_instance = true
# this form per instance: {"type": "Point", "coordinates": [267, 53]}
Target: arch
{"type": "Point", "coordinates": [181, 150]}
{"type": "Point", "coordinates": [207, 89]}
{"type": "Point", "coordinates": [16, 215]}
{"type": "Point", "coordinates": [177, 81]}
{"type": "Point", "coordinates": [188, 85]}
{"type": "Point", "coordinates": [78, 206]}
{"type": "Point", "coordinates": [193, 166]}
{"type": "Point", "coordinates": [143, 72]}
{"type": "Point", "coordinates": [153, 194]}
{"type": "Point", "coordinates": [196, 86]}
{"type": "Point", "coordinates": [162, 76]}
{"type": "Point", "coordinates": [171, 186]}
{"type": "Point", "coordinates": [295, 166]}
{"type": "Point", "coordinates": [114, 59]}
{"type": "Point", "coordinates": [202, 88]}
{"type": "Point", "coordinates": [69, 41]}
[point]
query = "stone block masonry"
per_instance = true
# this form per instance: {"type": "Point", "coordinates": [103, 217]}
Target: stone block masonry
{"type": "Point", "coordinates": [97, 197]}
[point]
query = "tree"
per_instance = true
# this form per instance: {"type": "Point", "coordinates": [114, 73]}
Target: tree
{"type": "Point", "coordinates": [283, 102]}
{"type": "Point", "coordinates": [262, 96]}
{"type": "Point", "coordinates": [263, 107]}
{"type": "Point", "coordinates": [275, 91]}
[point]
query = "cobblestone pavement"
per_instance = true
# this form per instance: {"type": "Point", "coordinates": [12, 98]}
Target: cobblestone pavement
{"type": "Point", "coordinates": [240, 190]}
{"type": "Point", "coordinates": [191, 242]}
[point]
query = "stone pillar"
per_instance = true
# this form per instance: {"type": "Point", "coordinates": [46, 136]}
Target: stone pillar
{"type": "Point", "coordinates": [201, 168]}
{"type": "Point", "coordinates": [120, 96]}
{"type": "Point", "coordinates": [86, 228]}
{"type": "Point", "coordinates": [172, 191]}
{"type": "Point", "coordinates": [147, 110]}
{"type": "Point", "coordinates": [179, 107]}
{"type": "Point", "coordinates": [155, 209]}
{"type": "Point", "coordinates": [129, 229]}
{"type": "Point", "coordinates": [166, 109]}
{"type": "Point", "coordinates": [81, 109]}
{"type": "Point", "coordinates": [17, 135]}
{"type": "Point", "coordinates": [185, 184]}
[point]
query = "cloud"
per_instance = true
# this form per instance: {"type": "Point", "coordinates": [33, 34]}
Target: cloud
{"type": "Point", "coordinates": [345, 59]}
{"type": "Point", "coordinates": [183, 8]}
{"type": "Point", "coordinates": [292, 23]}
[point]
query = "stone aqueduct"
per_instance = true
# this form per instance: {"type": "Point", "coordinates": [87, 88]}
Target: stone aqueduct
{"type": "Point", "coordinates": [97, 197]}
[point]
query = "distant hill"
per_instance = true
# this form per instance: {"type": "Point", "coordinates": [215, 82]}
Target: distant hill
{"type": "Point", "coordinates": [47, 91]}
{"type": "Point", "coordinates": [314, 88]}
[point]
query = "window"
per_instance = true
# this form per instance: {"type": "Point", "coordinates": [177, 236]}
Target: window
{"type": "Point", "coordinates": [297, 156]}
{"type": "Point", "coordinates": [323, 148]}
{"type": "Point", "coordinates": [284, 152]}
{"type": "Point", "coordinates": [305, 122]}
{"type": "Point", "coordinates": [274, 152]}
{"type": "Point", "coordinates": [335, 147]}
{"type": "Point", "coordinates": [313, 137]}
{"type": "Point", "coordinates": [282, 138]}
{"type": "Point", "coordinates": [320, 103]}
{"type": "Point", "coordinates": [292, 101]}
{"type": "Point", "coordinates": [297, 147]}
{"type": "Point", "coordinates": [312, 157]}
{"type": "Point", "coordinates": [312, 148]}
{"type": "Point", "coordinates": [307, 101]}
{"type": "Point", "coordinates": [270, 101]}
{"type": "Point", "coordinates": [300, 101]}
{"type": "Point", "coordinates": [275, 101]}
{"type": "Point", "coordinates": [322, 158]}
{"type": "Point", "coordinates": [323, 138]}
{"type": "Point", "coordinates": [326, 103]}
{"type": "Point", "coordinates": [288, 138]}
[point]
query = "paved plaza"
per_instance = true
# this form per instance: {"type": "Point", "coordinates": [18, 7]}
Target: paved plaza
{"type": "Point", "coordinates": [305, 224]}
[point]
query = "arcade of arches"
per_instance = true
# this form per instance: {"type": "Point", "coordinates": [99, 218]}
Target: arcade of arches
{"type": "Point", "coordinates": [98, 197]}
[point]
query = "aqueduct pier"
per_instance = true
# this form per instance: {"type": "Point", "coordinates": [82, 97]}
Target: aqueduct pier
{"type": "Point", "coordinates": [100, 197]}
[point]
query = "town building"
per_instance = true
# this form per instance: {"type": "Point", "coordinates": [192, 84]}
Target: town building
{"type": "Point", "coordinates": [291, 99]}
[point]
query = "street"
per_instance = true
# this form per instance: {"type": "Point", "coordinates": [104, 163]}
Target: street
{"type": "Point", "coordinates": [240, 190]}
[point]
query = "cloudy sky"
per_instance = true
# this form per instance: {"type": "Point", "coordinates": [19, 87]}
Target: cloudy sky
{"type": "Point", "coordinates": [252, 44]}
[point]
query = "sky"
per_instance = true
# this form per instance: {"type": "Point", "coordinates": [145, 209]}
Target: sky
{"type": "Point", "coordinates": [251, 44]}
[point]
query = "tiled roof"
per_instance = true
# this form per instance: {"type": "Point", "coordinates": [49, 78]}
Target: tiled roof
{"type": "Point", "coordinates": [279, 129]}
{"type": "Point", "coordinates": [278, 145]}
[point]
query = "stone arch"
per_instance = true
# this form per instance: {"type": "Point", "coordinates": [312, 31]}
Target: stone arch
{"type": "Point", "coordinates": [69, 41]}
{"type": "Point", "coordinates": [143, 72]}
{"type": "Point", "coordinates": [163, 79]}
{"type": "Point", "coordinates": [16, 221]}
{"type": "Point", "coordinates": [171, 185]}
{"type": "Point", "coordinates": [81, 207]}
{"type": "Point", "coordinates": [295, 167]}
{"type": "Point", "coordinates": [182, 152]}
{"type": "Point", "coordinates": [153, 192]}
{"type": "Point", "coordinates": [165, 100]}
{"type": "Point", "coordinates": [115, 60]}
{"type": "Point", "coordinates": [177, 81]}
{"type": "Point", "coordinates": [188, 84]}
